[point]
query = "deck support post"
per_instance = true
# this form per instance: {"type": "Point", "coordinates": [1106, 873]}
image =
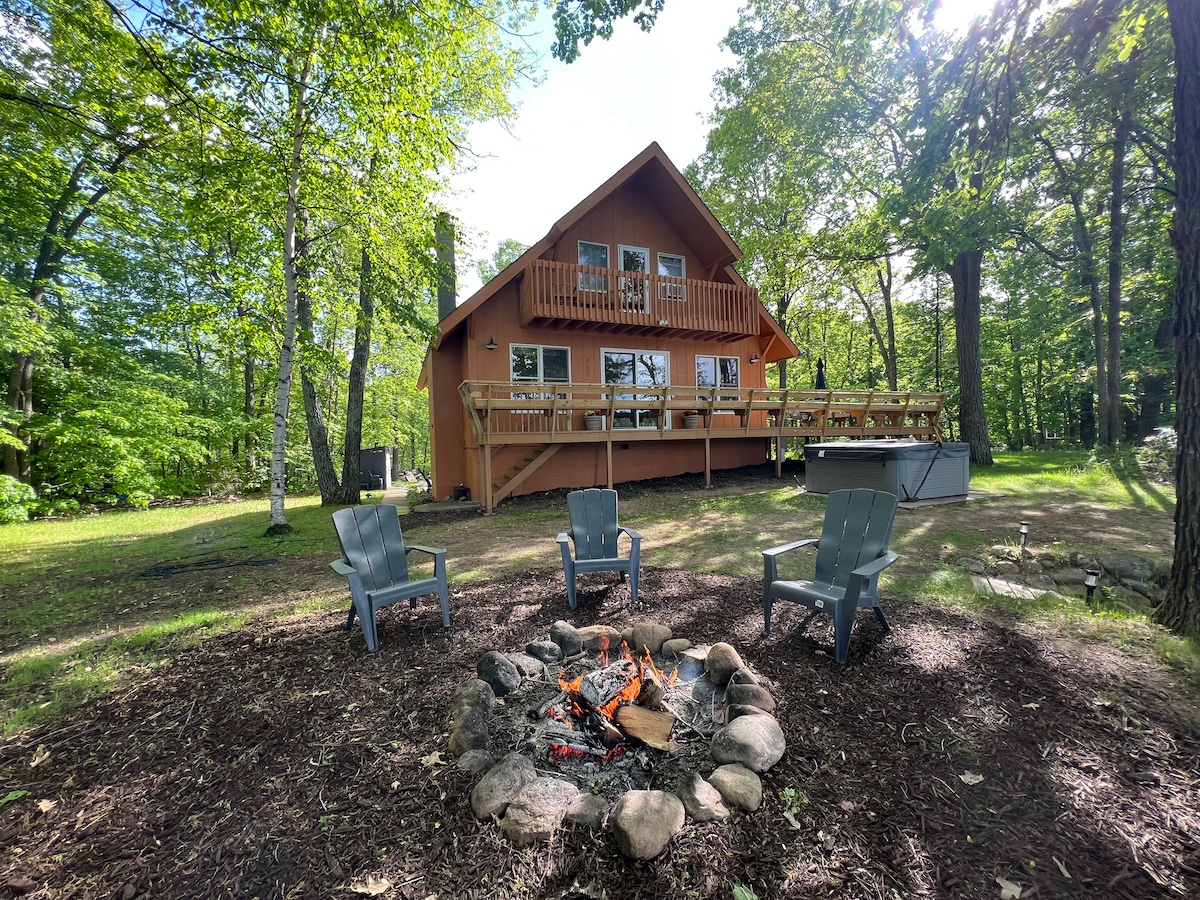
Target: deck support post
{"type": "Point", "coordinates": [608, 447]}
{"type": "Point", "coordinates": [707, 461]}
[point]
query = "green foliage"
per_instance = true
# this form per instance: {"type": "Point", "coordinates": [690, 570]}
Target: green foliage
{"type": "Point", "coordinates": [16, 499]}
{"type": "Point", "coordinates": [581, 21]}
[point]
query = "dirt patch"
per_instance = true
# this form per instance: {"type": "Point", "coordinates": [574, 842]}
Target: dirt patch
{"type": "Point", "coordinates": [285, 761]}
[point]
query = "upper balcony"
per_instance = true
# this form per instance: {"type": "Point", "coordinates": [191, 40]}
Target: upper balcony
{"type": "Point", "coordinates": [559, 294]}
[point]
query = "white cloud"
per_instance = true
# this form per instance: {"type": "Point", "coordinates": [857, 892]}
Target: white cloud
{"type": "Point", "coordinates": [590, 118]}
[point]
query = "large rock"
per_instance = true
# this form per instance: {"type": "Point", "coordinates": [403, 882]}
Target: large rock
{"type": "Point", "coordinates": [738, 786]}
{"type": "Point", "coordinates": [537, 810]}
{"type": "Point", "coordinates": [588, 811]}
{"type": "Point", "coordinates": [754, 741]}
{"type": "Point", "coordinates": [499, 672]}
{"type": "Point", "coordinates": [675, 646]}
{"type": "Point", "coordinates": [743, 676]}
{"type": "Point", "coordinates": [546, 651]}
{"type": "Point", "coordinates": [600, 637]}
{"type": "Point", "coordinates": [476, 692]}
{"type": "Point", "coordinates": [974, 566]}
{"type": "Point", "coordinates": [649, 635]}
{"type": "Point", "coordinates": [643, 822]}
{"type": "Point", "coordinates": [1128, 566]}
{"type": "Point", "coordinates": [721, 662]}
{"type": "Point", "coordinates": [1068, 575]}
{"type": "Point", "coordinates": [500, 785]}
{"type": "Point", "coordinates": [528, 666]}
{"type": "Point", "coordinates": [469, 732]}
{"type": "Point", "coordinates": [567, 637]}
{"type": "Point", "coordinates": [476, 761]}
{"type": "Point", "coordinates": [750, 695]}
{"type": "Point", "coordinates": [701, 800]}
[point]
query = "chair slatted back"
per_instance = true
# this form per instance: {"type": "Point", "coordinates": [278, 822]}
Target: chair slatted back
{"type": "Point", "coordinates": [593, 523]}
{"type": "Point", "coordinates": [858, 524]}
{"type": "Point", "coordinates": [373, 544]}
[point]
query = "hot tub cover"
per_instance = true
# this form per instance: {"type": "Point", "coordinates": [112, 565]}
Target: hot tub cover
{"type": "Point", "coordinates": [886, 450]}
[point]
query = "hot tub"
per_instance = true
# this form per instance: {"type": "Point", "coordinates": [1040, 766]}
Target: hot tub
{"type": "Point", "coordinates": [912, 470]}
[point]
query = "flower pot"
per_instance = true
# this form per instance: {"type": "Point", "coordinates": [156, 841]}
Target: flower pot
{"type": "Point", "coordinates": [692, 421]}
{"type": "Point", "coordinates": [593, 423]}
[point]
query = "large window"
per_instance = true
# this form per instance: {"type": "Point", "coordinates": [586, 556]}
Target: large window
{"type": "Point", "coordinates": [591, 254]}
{"type": "Point", "coordinates": [672, 266]}
{"type": "Point", "coordinates": [717, 372]}
{"type": "Point", "coordinates": [633, 289]}
{"type": "Point", "coordinates": [638, 367]}
{"type": "Point", "coordinates": [532, 362]}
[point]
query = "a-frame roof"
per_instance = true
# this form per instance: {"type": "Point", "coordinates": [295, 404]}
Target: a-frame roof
{"type": "Point", "coordinates": [660, 183]}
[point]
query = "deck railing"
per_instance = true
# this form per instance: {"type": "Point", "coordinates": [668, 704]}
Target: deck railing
{"type": "Point", "coordinates": [532, 412]}
{"type": "Point", "coordinates": [565, 291]}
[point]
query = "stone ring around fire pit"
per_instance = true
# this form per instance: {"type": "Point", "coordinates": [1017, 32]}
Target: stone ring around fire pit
{"type": "Point", "coordinates": [596, 727]}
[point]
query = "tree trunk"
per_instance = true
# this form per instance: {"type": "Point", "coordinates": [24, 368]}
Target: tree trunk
{"type": "Point", "coordinates": [314, 415]}
{"type": "Point", "coordinates": [1180, 611]}
{"type": "Point", "coordinates": [357, 385]}
{"type": "Point", "coordinates": [20, 400]}
{"type": "Point", "coordinates": [278, 524]}
{"type": "Point", "coordinates": [1116, 237]}
{"type": "Point", "coordinates": [965, 274]}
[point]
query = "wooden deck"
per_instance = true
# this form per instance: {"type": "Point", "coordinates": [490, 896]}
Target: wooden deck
{"type": "Point", "coordinates": [548, 416]}
{"type": "Point", "coordinates": [569, 295]}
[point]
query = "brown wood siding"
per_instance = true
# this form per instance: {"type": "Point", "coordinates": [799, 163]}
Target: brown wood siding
{"type": "Point", "coordinates": [626, 218]}
{"type": "Point", "coordinates": [447, 418]}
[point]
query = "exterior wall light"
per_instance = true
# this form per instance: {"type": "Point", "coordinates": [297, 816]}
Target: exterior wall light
{"type": "Point", "coordinates": [755, 358]}
{"type": "Point", "coordinates": [491, 344]}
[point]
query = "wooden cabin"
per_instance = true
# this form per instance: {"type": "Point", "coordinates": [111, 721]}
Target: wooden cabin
{"type": "Point", "coordinates": [624, 346]}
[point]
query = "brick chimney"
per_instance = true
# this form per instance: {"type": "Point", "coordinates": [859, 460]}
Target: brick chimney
{"type": "Point", "coordinates": [443, 235]}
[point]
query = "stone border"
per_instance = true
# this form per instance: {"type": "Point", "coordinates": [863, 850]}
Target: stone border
{"type": "Point", "coordinates": [531, 807]}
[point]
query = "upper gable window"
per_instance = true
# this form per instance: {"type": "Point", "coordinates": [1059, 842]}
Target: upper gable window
{"type": "Point", "coordinates": [672, 266]}
{"type": "Point", "coordinates": [591, 254]}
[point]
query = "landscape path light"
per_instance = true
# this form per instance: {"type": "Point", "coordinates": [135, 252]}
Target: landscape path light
{"type": "Point", "coordinates": [1091, 579]}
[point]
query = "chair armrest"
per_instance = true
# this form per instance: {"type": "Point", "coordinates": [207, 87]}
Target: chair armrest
{"type": "Point", "coordinates": [877, 565]}
{"type": "Point", "coordinates": [794, 545]}
{"type": "Point", "coordinates": [432, 551]}
{"type": "Point", "coordinates": [342, 567]}
{"type": "Point", "coordinates": [563, 537]}
{"type": "Point", "coordinates": [634, 535]}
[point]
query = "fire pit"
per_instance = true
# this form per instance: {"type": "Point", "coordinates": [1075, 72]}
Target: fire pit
{"type": "Point", "coordinates": [596, 725]}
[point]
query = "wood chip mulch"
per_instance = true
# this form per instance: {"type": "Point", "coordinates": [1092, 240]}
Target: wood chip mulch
{"type": "Point", "coordinates": [282, 760]}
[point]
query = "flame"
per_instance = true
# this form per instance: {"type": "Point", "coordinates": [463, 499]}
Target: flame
{"type": "Point", "coordinates": [668, 681]}
{"type": "Point", "coordinates": [629, 693]}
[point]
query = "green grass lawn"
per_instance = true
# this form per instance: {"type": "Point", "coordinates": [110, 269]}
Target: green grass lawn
{"type": "Point", "coordinates": [77, 619]}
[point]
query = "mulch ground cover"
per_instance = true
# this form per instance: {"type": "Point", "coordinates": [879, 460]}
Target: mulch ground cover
{"type": "Point", "coordinates": [958, 753]}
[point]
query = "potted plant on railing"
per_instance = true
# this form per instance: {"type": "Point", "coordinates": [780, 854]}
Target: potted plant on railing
{"type": "Point", "coordinates": [593, 420]}
{"type": "Point", "coordinates": [691, 418]}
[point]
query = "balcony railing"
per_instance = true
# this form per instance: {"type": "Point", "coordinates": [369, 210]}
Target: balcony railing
{"type": "Point", "coordinates": [527, 412]}
{"type": "Point", "coordinates": [573, 293]}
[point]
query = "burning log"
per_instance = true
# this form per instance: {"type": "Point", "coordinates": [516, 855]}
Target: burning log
{"type": "Point", "coordinates": [652, 693]}
{"type": "Point", "coordinates": [602, 686]}
{"type": "Point", "coordinates": [542, 711]}
{"type": "Point", "coordinates": [650, 726]}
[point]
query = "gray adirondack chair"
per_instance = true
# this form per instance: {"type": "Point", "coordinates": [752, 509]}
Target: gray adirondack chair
{"type": "Point", "coordinates": [375, 563]}
{"type": "Point", "coordinates": [851, 552]}
{"type": "Point", "coordinates": [594, 534]}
